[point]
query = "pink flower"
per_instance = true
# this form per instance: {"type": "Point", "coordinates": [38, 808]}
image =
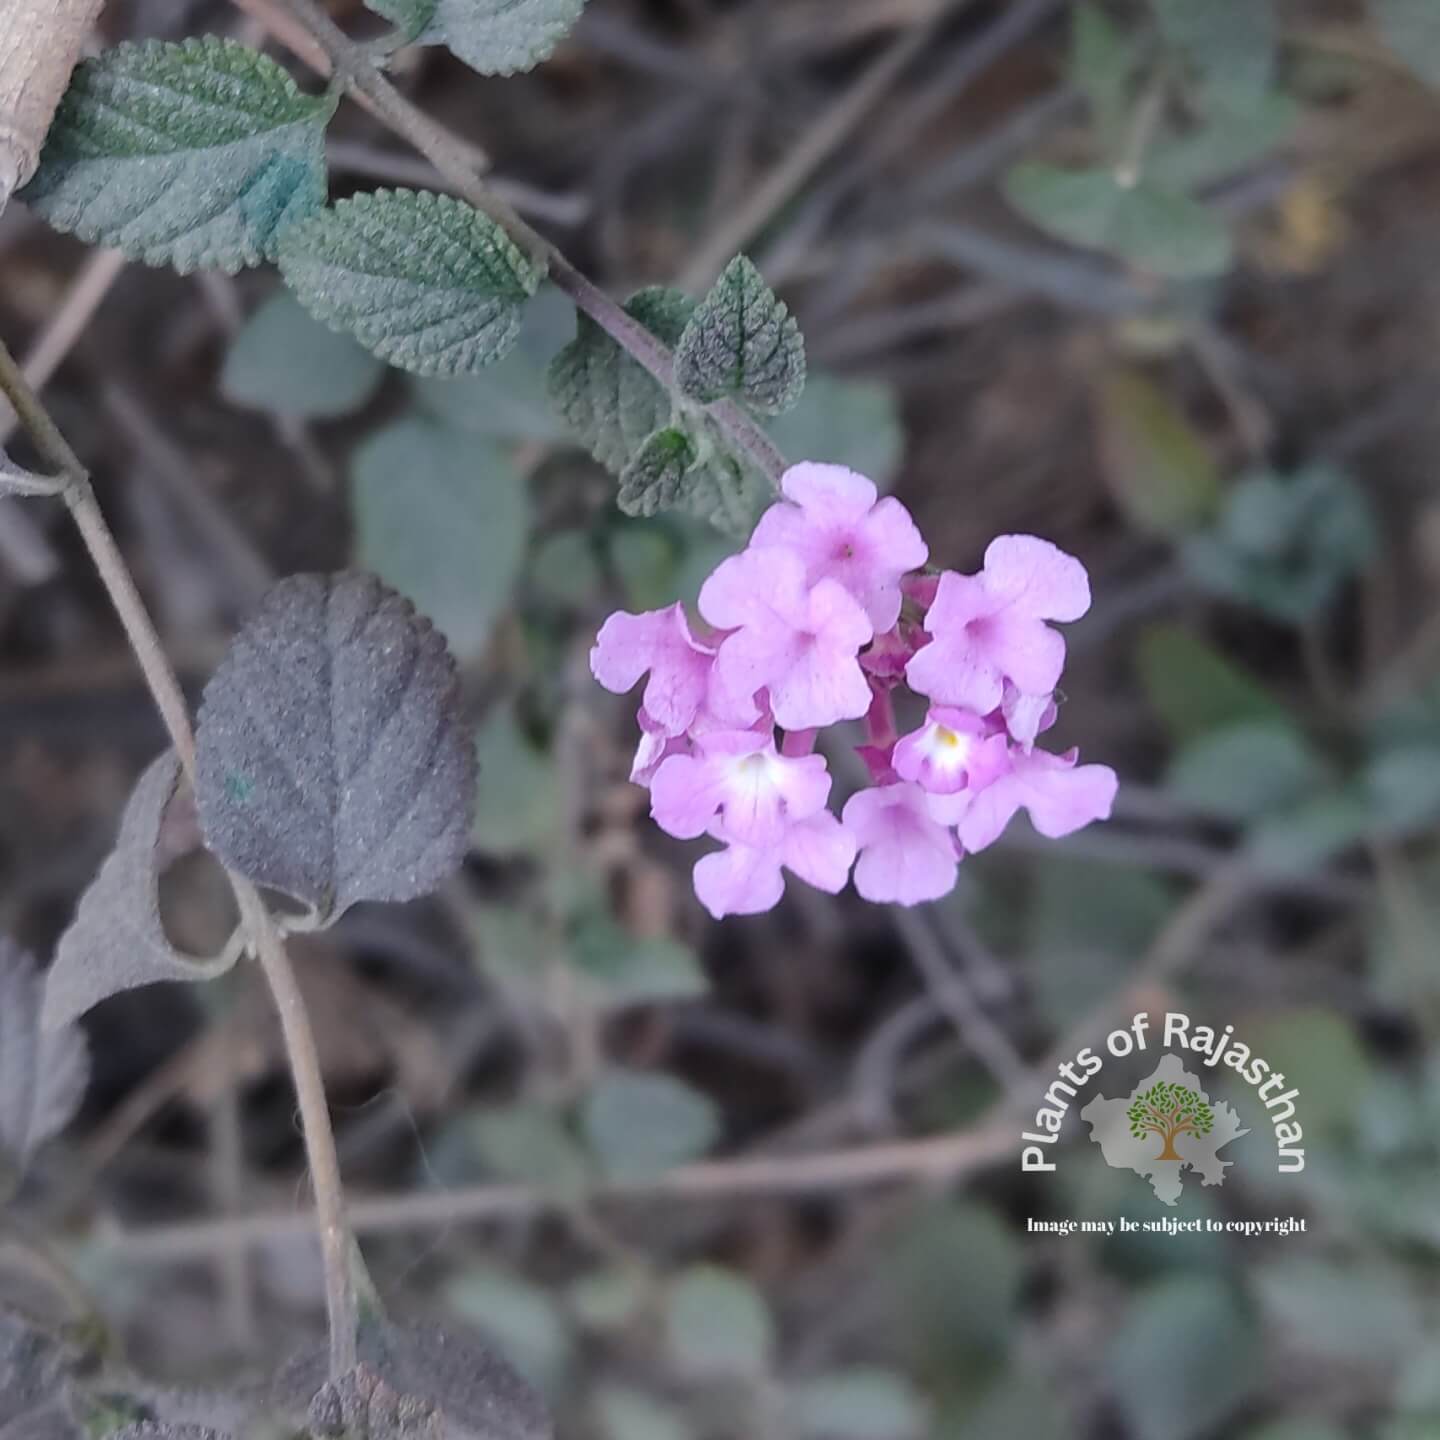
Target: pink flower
{"type": "Point", "coordinates": [658, 641]}
{"type": "Point", "coordinates": [841, 532]}
{"type": "Point", "coordinates": [954, 750]}
{"type": "Point", "coordinates": [795, 641]}
{"type": "Point", "coordinates": [654, 749]}
{"type": "Point", "coordinates": [906, 856]}
{"type": "Point", "coordinates": [746, 879]}
{"type": "Point", "coordinates": [1025, 716]}
{"type": "Point", "coordinates": [737, 775]}
{"type": "Point", "coordinates": [990, 627]}
{"type": "Point", "coordinates": [1060, 796]}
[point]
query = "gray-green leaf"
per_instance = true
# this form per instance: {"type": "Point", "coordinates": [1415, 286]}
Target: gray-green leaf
{"type": "Point", "coordinates": [116, 941]}
{"type": "Point", "coordinates": [335, 764]}
{"type": "Point", "coordinates": [285, 361]}
{"type": "Point", "coordinates": [655, 479]}
{"type": "Point", "coordinates": [742, 342]}
{"type": "Point", "coordinates": [495, 37]}
{"type": "Point", "coordinates": [859, 1404]}
{"type": "Point", "coordinates": [614, 406]}
{"type": "Point", "coordinates": [444, 518]}
{"type": "Point", "coordinates": [196, 155]}
{"type": "Point", "coordinates": [642, 1124]}
{"type": "Point", "coordinates": [43, 1073]}
{"type": "Point", "coordinates": [425, 281]}
{"type": "Point", "coordinates": [461, 1389]}
{"type": "Point", "coordinates": [1157, 229]}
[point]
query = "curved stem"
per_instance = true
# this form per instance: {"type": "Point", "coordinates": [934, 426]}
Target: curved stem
{"type": "Point", "coordinates": [360, 73]}
{"type": "Point", "coordinates": [264, 938]}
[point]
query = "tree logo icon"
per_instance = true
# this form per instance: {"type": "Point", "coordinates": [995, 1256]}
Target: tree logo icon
{"type": "Point", "coordinates": [1168, 1110]}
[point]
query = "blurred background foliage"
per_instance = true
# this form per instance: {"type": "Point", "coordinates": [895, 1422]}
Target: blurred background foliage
{"type": "Point", "coordinates": [1154, 278]}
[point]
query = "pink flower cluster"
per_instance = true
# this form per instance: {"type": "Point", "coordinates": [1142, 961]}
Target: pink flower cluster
{"type": "Point", "coordinates": [817, 622]}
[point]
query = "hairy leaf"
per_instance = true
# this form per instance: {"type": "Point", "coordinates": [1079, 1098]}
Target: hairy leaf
{"type": "Point", "coordinates": [655, 479]}
{"type": "Point", "coordinates": [444, 517]}
{"type": "Point", "coordinates": [614, 406]}
{"type": "Point", "coordinates": [444, 1380]}
{"type": "Point", "coordinates": [116, 941]}
{"type": "Point", "coordinates": [196, 155]}
{"type": "Point", "coordinates": [43, 1073]}
{"type": "Point", "coordinates": [285, 361]}
{"type": "Point", "coordinates": [32, 1364]}
{"type": "Point", "coordinates": [495, 37]}
{"type": "Point", "coordinates": [425, 281]}
{"type": "Point", "coordinates": [640, 1124]}
{"type": "Point", "coordinates": [611, 402]}
{"type": "Point", "coordinates": [742, 341]}
{"type": "Point", "coordinates": [1157, 229]}
{"type": "Point", "coordinates": [334, 762]}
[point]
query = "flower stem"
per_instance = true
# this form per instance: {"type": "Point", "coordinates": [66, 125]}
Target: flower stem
{"type": "Point", "coordinates": [264, 938]}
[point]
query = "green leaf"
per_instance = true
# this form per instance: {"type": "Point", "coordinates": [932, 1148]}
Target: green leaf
{"type": "Point", "coordinates": [609, 1298]}
{"type": "Point", "coordinates": [518, 807]}
{"type": "Point", "coordinates": [444, 518]}
{"type": "Point", "coordinates": [1185, 1357]}
{"type": "Point", "coordinates": [495, 37]}
{"type": "Point", "coordinates": [629, 1414]}
{"type": "Point", "coordinates": [641, 1124]}
{"type": "Point", "coordinates": [1156, 229]}
{"type": "Point", "coordinates": [1319, 1054]}
{"type": "Point", "coordinates": [1222, 146]}
{"type": "Point", "coordinates": [425, 281]}
{"type": "Point", "coordinates": [844, 422]}
{"type": "Point", "coordinates": [611, 402]}
{"type": "Point", "coordinates": [1411, 28]}
{"type": "Point", "coordinates": [633, 970]}
{"type": "Point", "coordinates": [1194, 689]}
{"type": "Point", "coordinates": [718, 1324]}
{"type": "Point", "coordinates": [1403, 788]}
{"type": "Point", "coordinates": [1102, 67]}
{"type": "Point", "coordinates": [507, 400]}
{"type": "Point", "coordinates": [1312, 832]}
{"type": "Point", "coordinates": [1245, 771]}
{"type": "Point", "coordinates": [196, 155]}
{"type": "Point", "coordinates": [742, 342]}
{"type": "Point", "coordinates": [614, 406]}
{"type": "Point", "coordinates": [564, 569]}
{"type": "Point", "coordinates": [860, 1404]}
{"type": "Point", "coordinates": [656, 478]}
{"type": "Point", "coordinates": [530, 1144]}
{"type": "Point", "coordinates": [1158, 467]}
{"type": "Point", "coordinates": [520, 1319]}
{"type": "Point", "coordinates": [1230, 45]}
{"type": "Point", "coordinates": [1366, 1315]}
{"type": "Point", "coordinates": [958, 1239]}
{"type": "Point", "coordinates": [1284, 544]}
{"type": "Point", "coordinates": [287, 362]}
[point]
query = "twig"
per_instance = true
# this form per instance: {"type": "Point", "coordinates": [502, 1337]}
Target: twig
{"type": "Point", "coordinates": [823, 138]}
{"type": "Point", "coordinates": [264, 939]}
{"type": "Point", "coordinates": [937, 1159]}
{"type": "Point", "coordinates": [362, 77]}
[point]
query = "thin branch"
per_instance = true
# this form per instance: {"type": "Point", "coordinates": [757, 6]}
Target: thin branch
{"type": "Point", "coordinates": [937, 1159]}
{"type": "Point", "coordinates": [448, 155]}
{"type": "Point", "coordinates": [264, 939]}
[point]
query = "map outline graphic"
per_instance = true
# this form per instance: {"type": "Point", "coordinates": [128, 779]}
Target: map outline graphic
{"type": "Point", "coordinates": [1110, 1129]}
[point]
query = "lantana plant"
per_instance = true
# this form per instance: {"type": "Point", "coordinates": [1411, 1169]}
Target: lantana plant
{"type": "Point", "coordinates": [826, 614]}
